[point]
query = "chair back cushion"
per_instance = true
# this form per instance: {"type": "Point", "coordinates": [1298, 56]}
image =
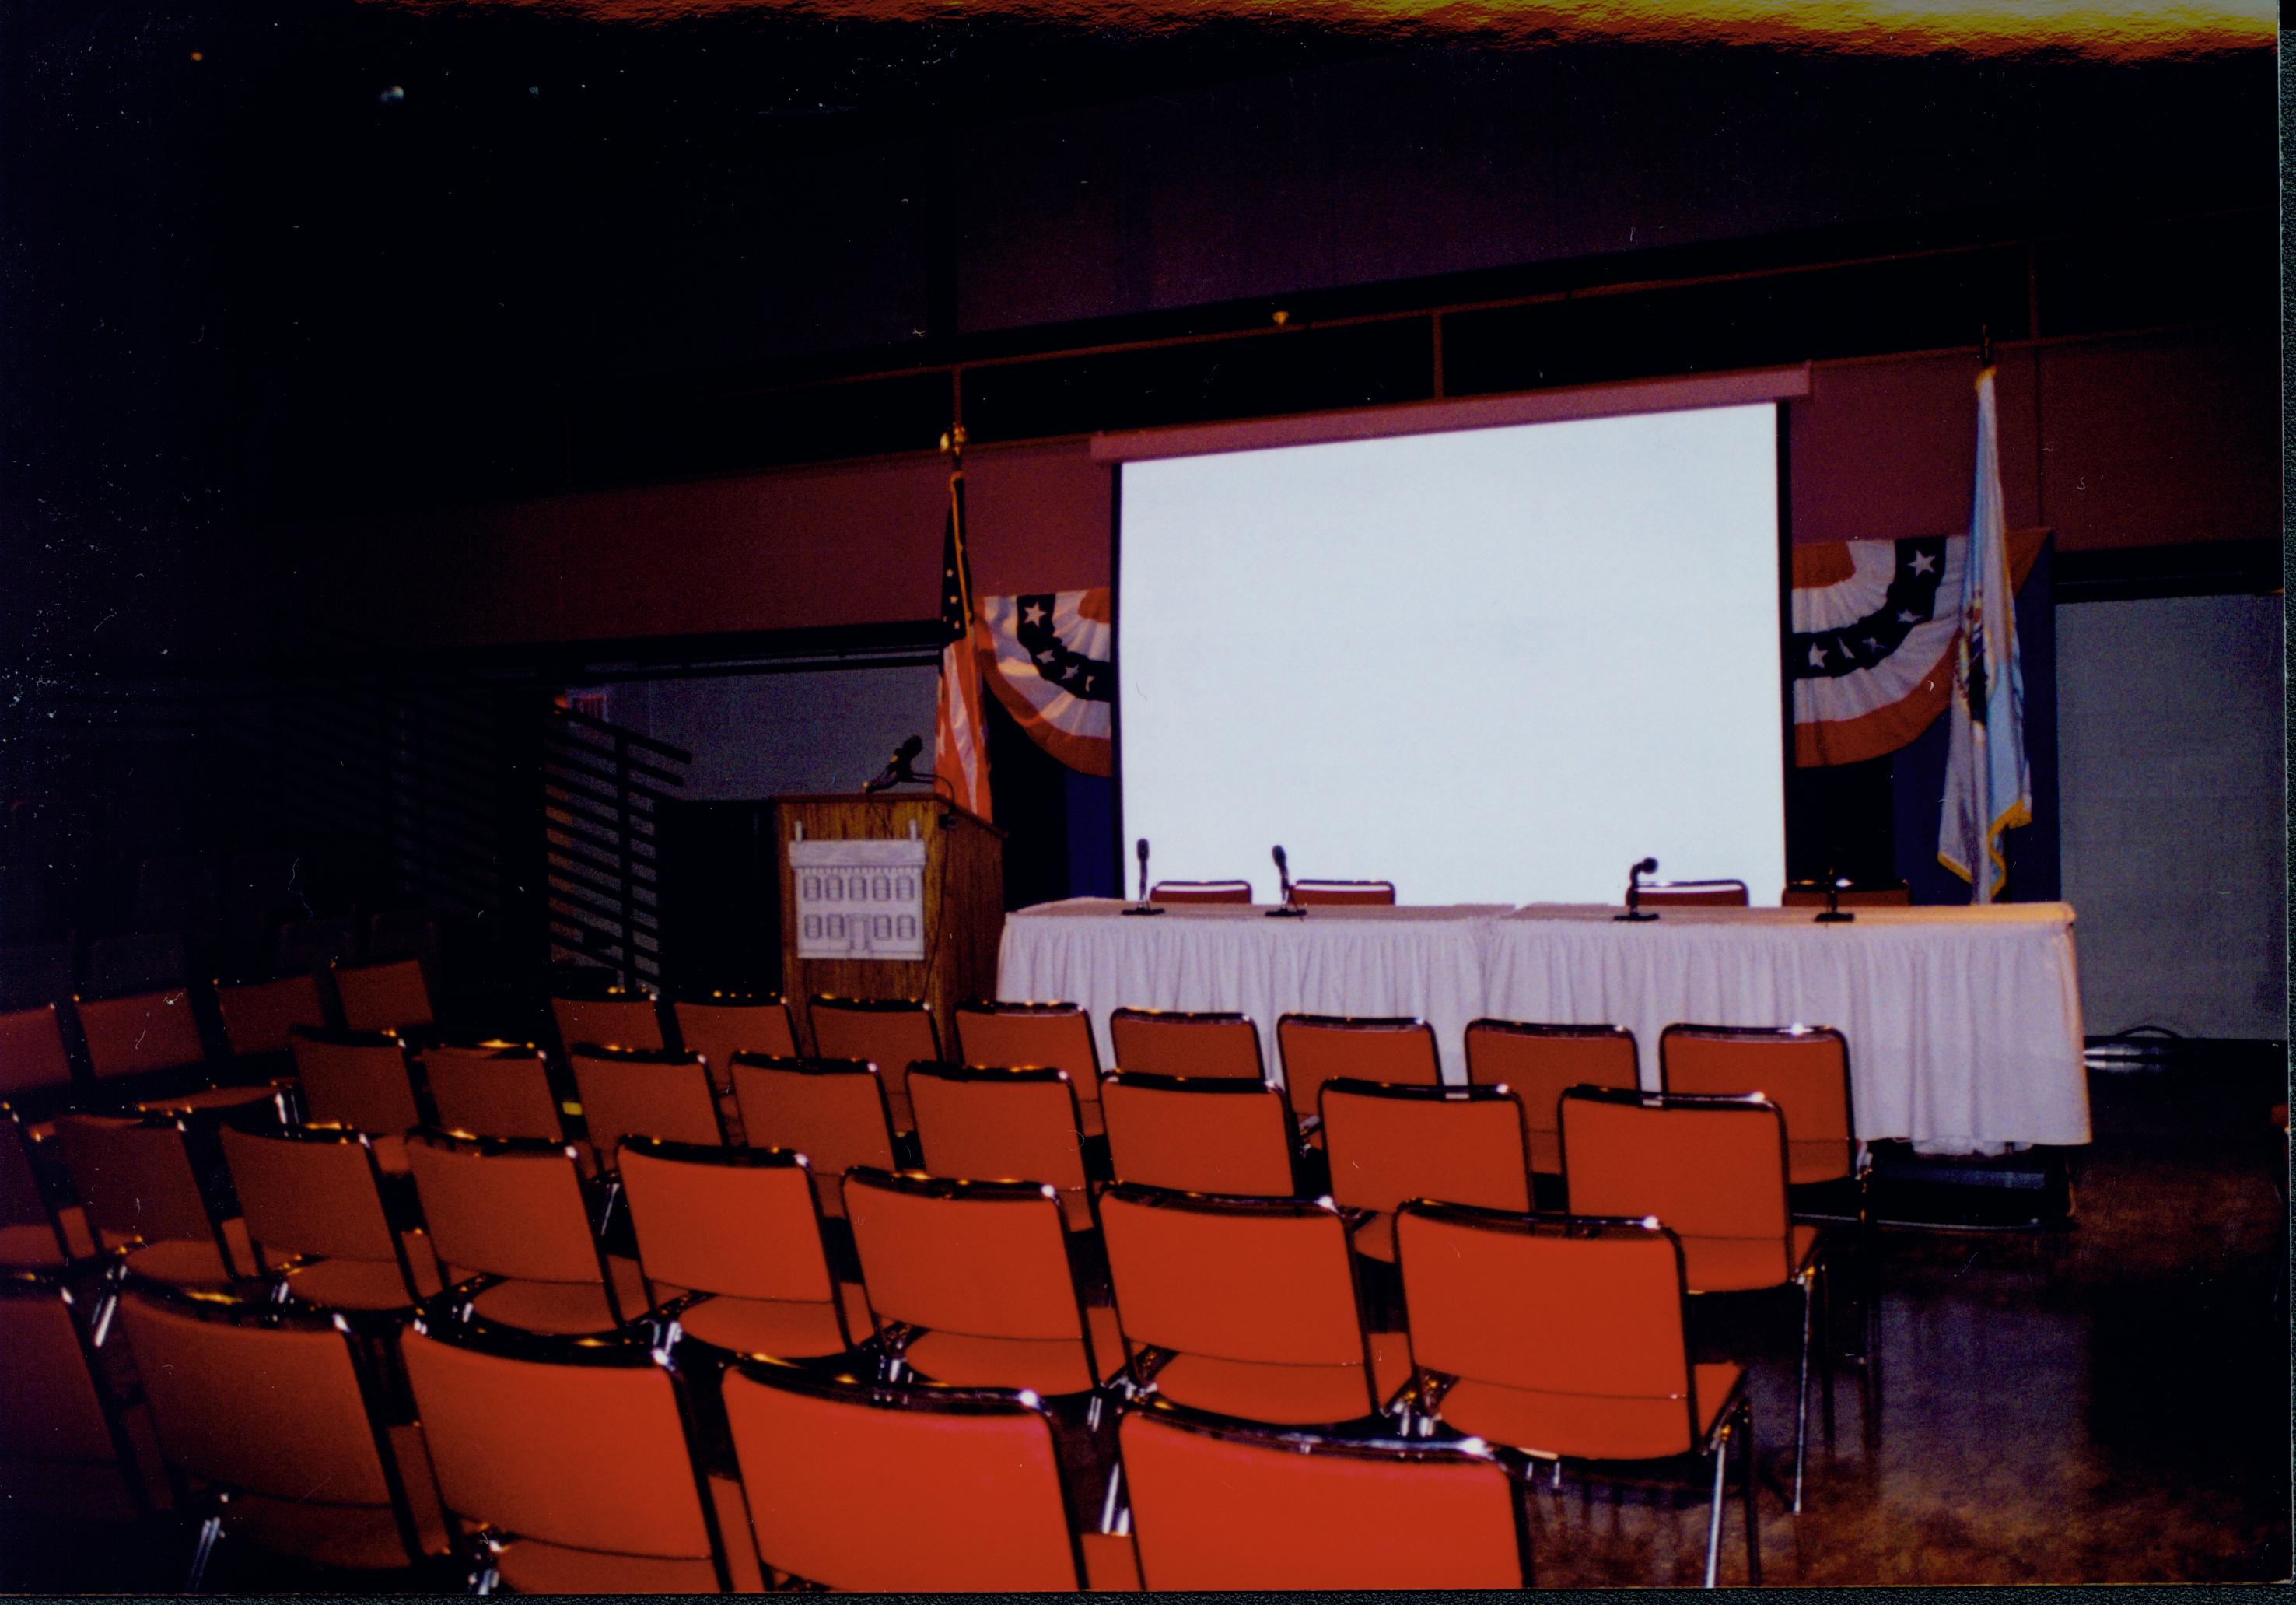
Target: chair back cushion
{"type": "Point", "coordinates": [1215, 1134]}
{"type": "Point", "coordinates": [517, 1214]}
{"type": "Point", "coordinates": [1185, 1044]}
{"type": "Point", "coordinates": [905, 1498]}
{"type": "Point", "coordinates": [593, 1456]}
{"type": "Point", "coordinates": [1220, 1512]}
{"type": "Point", "coordinates": [744, 1229]}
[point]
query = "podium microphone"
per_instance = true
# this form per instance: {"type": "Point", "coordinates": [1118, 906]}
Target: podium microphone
{"type": "Point", "coordinates": [1144, 906]}
{"type": "Point", "coordinates": [1287, 908]}
{"type": "Point", "coordinates": [1635, 873]}
{"type": "Point", "coordinates": [898, 770]}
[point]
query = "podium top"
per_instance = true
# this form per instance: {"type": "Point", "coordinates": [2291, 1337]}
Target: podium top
{"type": "Point", "coordinates": [888, 798]}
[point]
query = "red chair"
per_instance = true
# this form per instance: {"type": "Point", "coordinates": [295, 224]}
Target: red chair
{"type": "Point", "coordinates": [269, 1425]}
{"type": "Point", "coordinates": [312, 1200]}
{"type": "Point", "coordinates": [1201, 891]}
{"type": "Point", "coordinates": [65, 1447]}
{"type": "Point", "coordinates": [1320, 1047]}
{"type": "Point", "coordinates": [1389, 1145]}
{"type": "Point", "coordinates": [740, 1230]}
{"type": "Point", "coordinates": [362, 1080]}
{"type": "Point", "coordinates": [1200, 1134]}
{"type": "Point", "coordinates": [889, 1487]}
{"type": "Point", "coordinates": [725, 1023]}
{"type": "Point", "coordinates": [34, 1232]}
{"type": "Point", "coordinates": [1166, 1042]}
{"type": "Point", "coordinates": [393, 996]}
{"type": "Point", "coordinates": [1714, 1170]}
{"type": "Point", "coordinates": [1565, 1339]}
{"type": "Point", "coordinates": [616, 1018]}
{"type": "Point", "coordinates": [1805, 1071]}
{"type": "Point", "coordinates": [35, 1071]}
{"type": "Point", "coordinates": [969, 1283]}
{"type": "Point", "coordinates": [1811, 894]}
{"type": "Point", "coordinates": [1540, 1063]}
{"type": "Point", "coordinates": [512, 1229]}
{"type": "Point", "coordinates": [258, 1017]}
{"type": "Point", "coordinates": [644, 1092]}
{"type": "Point", "coordinates": [1051, 1035]}
{"type": "Point", "coordinates": [1247, 1307]}
{"type": "Point", "coordinates": [569, 1463]}
{"type": "Point", "coordinates": [1003, 1125]}
{"type": "Point", "coordinates": [1343, 894]}
{"type": "Point", "coordinates": [1219, 1504]}
{"type": "Point", "coordinates": [1694, 894]}
{"type": "Point", "coordinates": [833, 1111]}
{"type": "Point", "coordinates": [144, 1052]}
{"type": "Point", "coordinates": [492, 1089]}
{"type": "Point", "coordinates": [136, 1177]}
{"type": "Point", "coordinates": [891, 1033]}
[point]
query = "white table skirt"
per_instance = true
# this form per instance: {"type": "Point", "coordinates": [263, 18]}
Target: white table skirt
{"type": "Point", "coordinates": [1427, 962]}
{"type": "Point", "coordinates": [1964, 1024]}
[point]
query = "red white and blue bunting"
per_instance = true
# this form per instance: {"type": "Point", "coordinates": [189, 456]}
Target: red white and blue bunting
{"type": "Point", "coordinates": [1049, 659]}
{"type": "Point", "coordinates": [1874, 625]}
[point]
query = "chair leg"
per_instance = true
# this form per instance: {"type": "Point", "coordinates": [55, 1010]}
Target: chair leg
{"type": "Point", "coordinates": [202, 1551]}
{"type": "Point", "coordinates": [1746, 1494]}
{"type": "Point", "coordinates": [1112, 1506]}
{"type": "Point", "coordinates": [1714, 1509]}
{"type": "Point", "coordinates": [1825, 1349]}
{"type": "Point", "coordinates": [1801, 1393]}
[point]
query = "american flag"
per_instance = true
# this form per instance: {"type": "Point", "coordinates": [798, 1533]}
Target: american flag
{"type": "Point", "coordinates": [960, 743]}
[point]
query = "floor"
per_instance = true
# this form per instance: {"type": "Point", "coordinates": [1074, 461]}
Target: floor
{"type": "Point", "coordinates": [2107, 1404]}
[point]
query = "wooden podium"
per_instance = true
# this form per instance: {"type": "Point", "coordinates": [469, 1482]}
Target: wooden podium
{"type": "Point", "coordinates": [947, 957]}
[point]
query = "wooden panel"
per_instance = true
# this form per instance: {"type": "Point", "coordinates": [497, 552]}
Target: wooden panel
{"type": "Point", "coordinates": [964, 904]}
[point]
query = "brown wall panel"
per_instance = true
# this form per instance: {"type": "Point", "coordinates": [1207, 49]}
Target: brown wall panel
{"type": "Point", "coordinates": [2161, 439]}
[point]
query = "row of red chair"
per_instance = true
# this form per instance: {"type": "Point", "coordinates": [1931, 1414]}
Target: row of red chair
{"type": "Point", "coordinates": [1556, 1339]}
{"type": "Point", "coordinates": [130, 1045]}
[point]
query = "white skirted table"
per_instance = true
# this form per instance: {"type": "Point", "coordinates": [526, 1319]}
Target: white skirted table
{"type": "Point", "coordinates": [1964, 1024]}
{"type": "Point", "coordinates": [1427, 962]}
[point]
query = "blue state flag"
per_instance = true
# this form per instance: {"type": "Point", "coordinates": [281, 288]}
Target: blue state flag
{"type": "Point", "coordinates": [1987, 787]}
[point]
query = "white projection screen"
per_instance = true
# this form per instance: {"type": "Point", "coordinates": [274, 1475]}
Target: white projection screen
{"type": "Point", "coordinates": [1491, 665]}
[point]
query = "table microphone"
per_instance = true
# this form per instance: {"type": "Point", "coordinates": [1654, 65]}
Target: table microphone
{"type": "Point", "coordinates": [1144, 906]}
{"type": "Point", "coordinates": [1835, 914]}
{"type": "Point", "coordinates": [1635, 873]}
{"type": "Point", "coordinates": [1287, 908]}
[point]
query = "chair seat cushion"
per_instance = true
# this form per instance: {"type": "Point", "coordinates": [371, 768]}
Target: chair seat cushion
{"type": "Point", "coordinates": [206, 1097]}
{"type": "Point", "coordinates": [30, 1246]}
{"type": "Point", "coordinates": [1739, 1264]}
{"type": "Point", "coordinates": [357, 1537]}
{"type": "Point", "coordinates": [565, 1309]}
{"type": "Point", "coordinates": [529, 1565]}
{"type": "Point", "coordinates": [350, 1284]}
{"type": "Point", "coordinates": [1291, 1396]}
{"type": "Point", "coordinates": [194, 1262]}
{"type": "Point", "coordinates": [390, 1155]}
{"type": "Point", "coordinates": [1582, 1426]}
{"type": "Point", "coordinates": [1819, 1160]}
{"type": "Point", "coordinates": [785, 1328]}
{"type": "Point", "coordinates": [1052, 1366]}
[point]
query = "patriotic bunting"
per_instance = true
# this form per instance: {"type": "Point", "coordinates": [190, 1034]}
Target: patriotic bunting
{"type": "Point", "coordinates": [1048, 657]}
{"type": "Point", "coordinates": [1875, 630]}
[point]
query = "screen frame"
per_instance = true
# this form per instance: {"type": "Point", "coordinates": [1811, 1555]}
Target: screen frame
{"type": "Point", "coordinates": [1783, 546]}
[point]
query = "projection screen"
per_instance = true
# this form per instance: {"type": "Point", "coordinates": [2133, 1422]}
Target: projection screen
{"type": "Point", "coordinates": [1492, 665]}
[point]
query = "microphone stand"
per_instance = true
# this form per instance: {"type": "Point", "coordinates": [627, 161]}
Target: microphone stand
{"type": "Point", "coordinates": [1287, 908]}
{"type": "Point", "coordinates": [1835, 914]}
{"type": "Point", "coordinates": [1144, 906]}
{"type": "Point", "coordinates": [1634, 913]}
